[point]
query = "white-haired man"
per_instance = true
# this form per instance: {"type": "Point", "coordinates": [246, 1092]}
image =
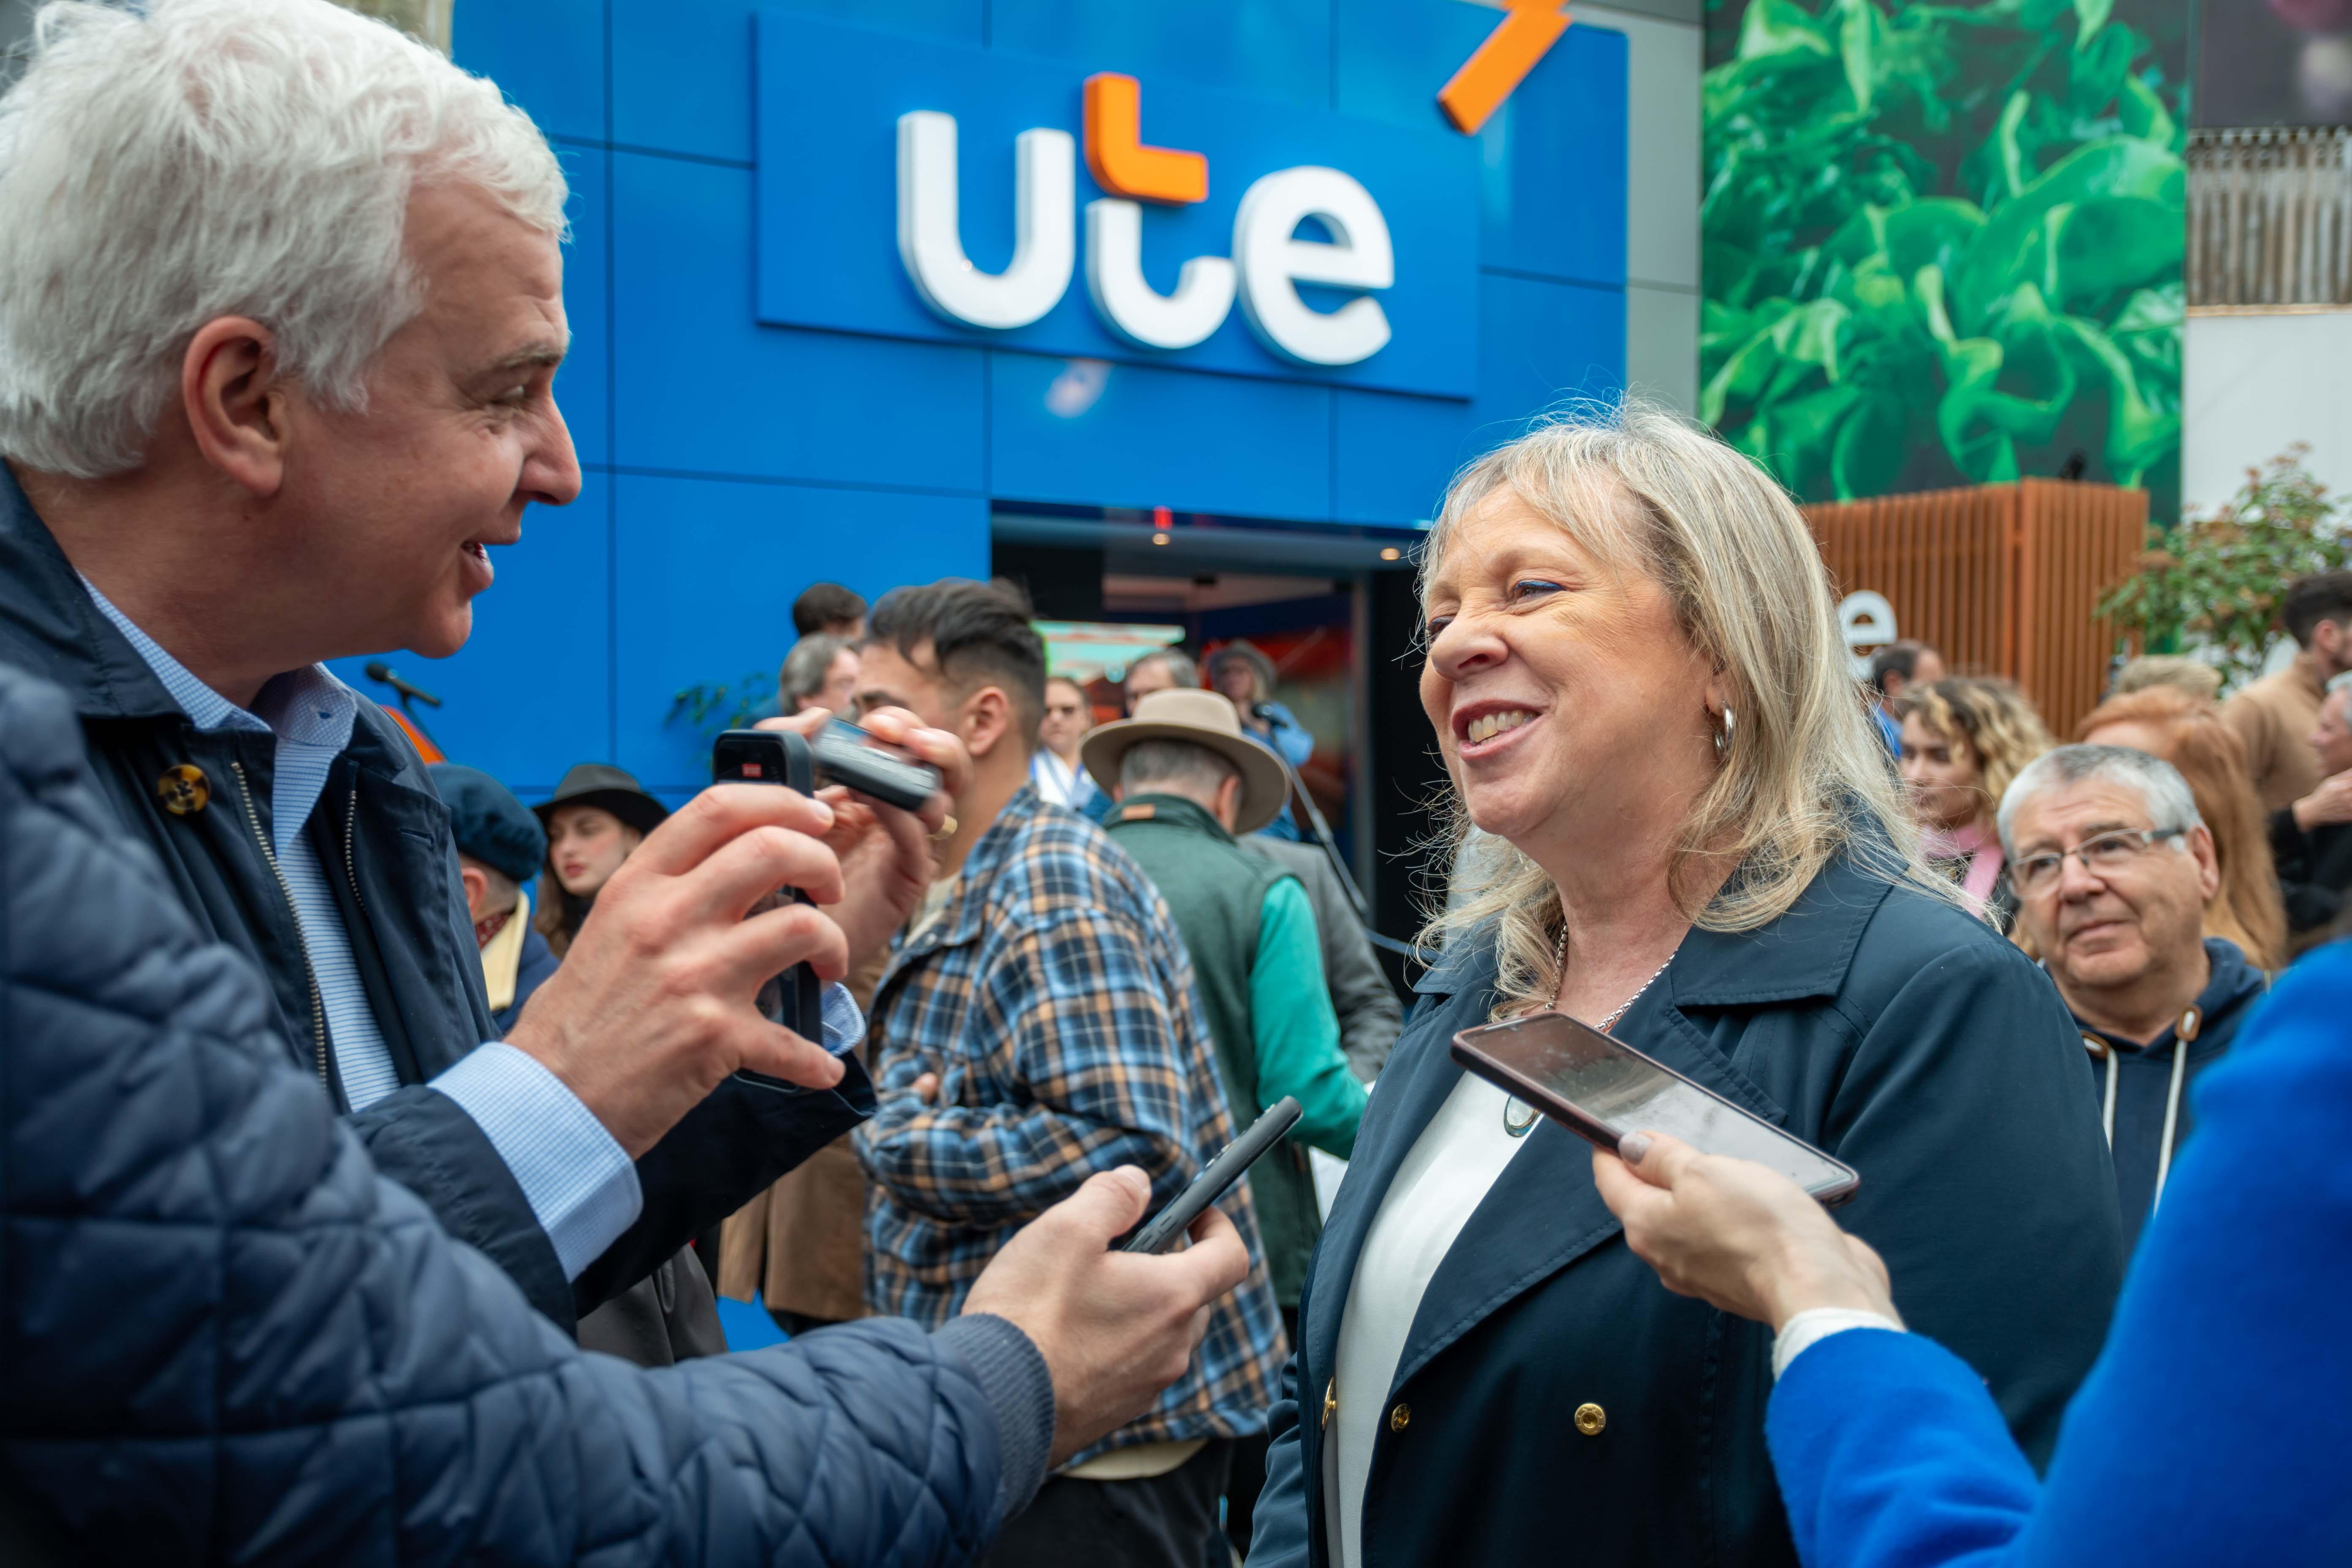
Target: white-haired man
{"type": "Point", "coordinates": [2113, 868]}
{"type": "Point", "coordinates": [280, 308]}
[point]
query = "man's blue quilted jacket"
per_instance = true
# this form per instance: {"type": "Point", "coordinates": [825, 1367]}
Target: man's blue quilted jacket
{"type": "Point", "coordinates": [223, 1337]}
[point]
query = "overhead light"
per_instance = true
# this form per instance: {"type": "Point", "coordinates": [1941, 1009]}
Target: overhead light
{"type": "Point", "coordinates": [1158, 538]}
{"type": "Point", "coordinates": [1391, 554]}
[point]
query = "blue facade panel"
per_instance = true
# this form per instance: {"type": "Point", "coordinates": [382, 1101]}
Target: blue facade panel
{"type": "Point", "coordinates": [545, 54]}
{"type": "Point", "coordinates": [701, 388]}
{"type": "Point", "coordinates": [1096, 433]}
{"type": "Point", "coordinates": [1278, 53]}
{"type": "Point", "coordinates": [853, 435]}
{"type": "Point", "coordinates": [706, 573]}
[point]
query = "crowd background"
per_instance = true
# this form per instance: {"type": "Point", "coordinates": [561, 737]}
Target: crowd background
{"type": "Point", "coordinates": [2280, 849]}
{"type": "Point", "coordinates": [376, 1171]}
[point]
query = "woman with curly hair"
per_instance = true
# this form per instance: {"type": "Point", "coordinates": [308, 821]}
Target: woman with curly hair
{"type": "Point", "coordinates": [1964, 739]}
{"type": "Point", "coordinates": [2168, 722]}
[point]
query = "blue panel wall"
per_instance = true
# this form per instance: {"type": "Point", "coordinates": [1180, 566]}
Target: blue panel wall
{"type": "Point", "coordinates": [729, 462]}
{"type": "Point", "coordinates": [706, 570]}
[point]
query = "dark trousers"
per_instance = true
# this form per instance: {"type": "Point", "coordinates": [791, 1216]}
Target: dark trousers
{"type": "Point", "coordinates": [1164, 1521]}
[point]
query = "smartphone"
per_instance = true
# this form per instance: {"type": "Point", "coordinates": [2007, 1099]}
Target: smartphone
{"type": "Point", "coordinates": [1600, 1088]}
{"type": "Point", "coordinates": [1164, 1229]}
{"type": "Point", "coordinates": [845, 755]}
{"type": "Point", "coordinates": [796, 997]}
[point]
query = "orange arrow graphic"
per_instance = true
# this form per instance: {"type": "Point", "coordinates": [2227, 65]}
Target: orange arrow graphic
{"type": "Point", "coordinates": [1524, 36]}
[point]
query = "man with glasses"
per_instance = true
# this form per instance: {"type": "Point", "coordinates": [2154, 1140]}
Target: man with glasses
{"type": "Point", "coordinates": [2113, 869]}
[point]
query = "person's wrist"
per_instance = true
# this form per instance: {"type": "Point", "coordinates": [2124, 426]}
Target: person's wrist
{"type": "Point", "coordinates": [2301, 811]}
{"type": "Point", "coordinates": [1801, 1278]}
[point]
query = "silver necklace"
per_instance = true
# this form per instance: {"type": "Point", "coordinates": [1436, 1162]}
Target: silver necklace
{"type": "Point", "coordinates": [1518, 1117]}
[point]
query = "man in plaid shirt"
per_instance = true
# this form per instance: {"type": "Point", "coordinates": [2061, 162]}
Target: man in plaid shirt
{"type": "Point", "coordinates": [1038, 1024]}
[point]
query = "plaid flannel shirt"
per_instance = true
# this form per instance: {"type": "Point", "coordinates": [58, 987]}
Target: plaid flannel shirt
{"type": "Point", "coordinates": [1055, 1000]}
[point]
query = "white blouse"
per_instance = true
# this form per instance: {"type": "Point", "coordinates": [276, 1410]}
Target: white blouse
{"type": "Point", "coordinates": [1444, 1179]}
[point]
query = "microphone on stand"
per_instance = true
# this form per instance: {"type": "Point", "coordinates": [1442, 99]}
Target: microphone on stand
{"type": "Point", "coordinates": [380, 671]}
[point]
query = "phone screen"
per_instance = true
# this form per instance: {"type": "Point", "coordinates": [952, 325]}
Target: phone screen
{"type": "Point", "coordinates": [1624, 1091]}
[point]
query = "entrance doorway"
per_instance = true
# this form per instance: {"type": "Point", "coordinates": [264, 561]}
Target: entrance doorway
{"type": "Point", "coordinates": [1331, 610]}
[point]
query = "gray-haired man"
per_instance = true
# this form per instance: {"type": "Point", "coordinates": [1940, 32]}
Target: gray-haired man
{"type": "Point", "coordinates": [2113, 868]}
{"type": "Point", "coordinates": [280, 306]}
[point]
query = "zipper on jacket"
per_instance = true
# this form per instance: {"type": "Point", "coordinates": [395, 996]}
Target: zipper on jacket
{"type": "Point", "coordinates": [350, 863]}
{"type": "Point", "coordinates": [318, 1006]}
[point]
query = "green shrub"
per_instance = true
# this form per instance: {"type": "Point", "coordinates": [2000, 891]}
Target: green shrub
{"type": "Point", "coordinates": [2217, 579]}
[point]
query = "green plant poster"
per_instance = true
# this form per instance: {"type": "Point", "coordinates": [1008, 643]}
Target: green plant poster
{"type": "Point", "coordinates": [1943, 243]}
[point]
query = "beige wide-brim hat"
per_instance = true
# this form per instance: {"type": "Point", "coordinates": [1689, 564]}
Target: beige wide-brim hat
{"type": "Point", "coordinates": [1205, 718]}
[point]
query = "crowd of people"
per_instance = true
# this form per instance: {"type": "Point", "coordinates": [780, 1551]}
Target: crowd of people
{"type": "Point", "coordinates": [331, 1233]}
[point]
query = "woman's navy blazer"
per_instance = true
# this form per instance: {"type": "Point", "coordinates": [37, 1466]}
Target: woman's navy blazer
{"type": "Point", "coordinates": [1879, 1023]}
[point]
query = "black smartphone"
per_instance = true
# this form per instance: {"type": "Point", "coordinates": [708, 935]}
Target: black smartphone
{"type": "Point", "coordinates": [845, 755]}
{"type": "Point", "coordinates": [1600, 1088]}
{"type": "Point", "coordinates": [1164, 1229]}
{"type": "Point", "coordinates": [796, 997]}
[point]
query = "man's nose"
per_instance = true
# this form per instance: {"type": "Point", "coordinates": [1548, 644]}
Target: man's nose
{"type": "Point", "coordinates": [550, 473]}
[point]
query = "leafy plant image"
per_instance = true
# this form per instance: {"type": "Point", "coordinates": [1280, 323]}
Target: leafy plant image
{"type": "Point", "coordinates": [2217, 579]}
{"type": "Point", "coordinates": [1943, 243]}
{"type": "Point", "coordinates": [708, 708]}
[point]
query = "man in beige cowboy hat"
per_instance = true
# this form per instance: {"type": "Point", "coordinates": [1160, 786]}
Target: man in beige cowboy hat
{"type": "Point", "coordinates": [1188, 779]}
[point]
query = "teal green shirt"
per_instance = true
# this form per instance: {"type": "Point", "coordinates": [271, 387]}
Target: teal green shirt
{"type": "Point", "coordinates": [1297, 1033]}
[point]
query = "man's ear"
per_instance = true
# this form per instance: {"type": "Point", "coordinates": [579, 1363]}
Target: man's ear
{"type": "Point", "coordinates": [2209, 863]}
{"type": "Point", "coordinates": [1229, 800]}
{"type": "Point", "coordinates": [478, 887]}
{"type": "Point", "coordinates": [988, 720]}
{"type": "Point", "coordinates": [236, 404]}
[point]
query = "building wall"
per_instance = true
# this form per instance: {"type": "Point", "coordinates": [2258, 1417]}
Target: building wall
{"type": "Point", "coordinates": [729, 463]}
{"type": "Point", "coordinates": [2254, 385]}
{"type": "Point", "coordinates": [1664, 54]}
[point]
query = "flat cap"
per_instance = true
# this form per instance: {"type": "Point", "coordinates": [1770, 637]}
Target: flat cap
{"type": "Point", "coordinates": [488, 823]}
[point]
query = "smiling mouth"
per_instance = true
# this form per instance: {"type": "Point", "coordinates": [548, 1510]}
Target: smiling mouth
{"type": "Point", "coordinates": [1486, 726]}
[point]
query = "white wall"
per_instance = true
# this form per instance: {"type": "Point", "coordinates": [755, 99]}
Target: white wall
{"type": "Point", "coordinates": [2252, 385]}
{"type": "Point", "coordinates": [1664, 54]}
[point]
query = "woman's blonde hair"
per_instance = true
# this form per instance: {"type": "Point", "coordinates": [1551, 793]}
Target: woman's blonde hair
{"type": "Point", "coordinates": [1804, 778]}
{"type": "Point", "coordinates": [1990, 718]}
{"type": "Point", "coordinates": [2206, 752]}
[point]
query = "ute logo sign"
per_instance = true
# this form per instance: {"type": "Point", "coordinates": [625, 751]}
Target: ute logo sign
{"type": "Point", "coordinates": [1269, 259]}
{"type": "Point", "coordinates": [948, 194]}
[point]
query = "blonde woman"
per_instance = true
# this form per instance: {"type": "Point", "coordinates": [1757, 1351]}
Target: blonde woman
{"type": "Point", "coordinates": [1636, 676]}
{"type": "Point", "coordinates": [1964, 739]}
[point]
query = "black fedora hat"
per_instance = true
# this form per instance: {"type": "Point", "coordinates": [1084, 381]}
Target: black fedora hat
{"type": "Point", "coordinates": [605, 785]}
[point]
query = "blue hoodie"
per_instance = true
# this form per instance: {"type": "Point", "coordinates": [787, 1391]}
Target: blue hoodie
{"type": "Point", "coordinates": [2143, 1078]}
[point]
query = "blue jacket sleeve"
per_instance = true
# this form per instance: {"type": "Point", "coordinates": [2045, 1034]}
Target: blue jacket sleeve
{"type": "Point", "coordinates": [1279, 1526]}
{"type": "Point", "coordinates": [224, 1335]}
{"type": "Point", "coordinates": [2212, 1426]}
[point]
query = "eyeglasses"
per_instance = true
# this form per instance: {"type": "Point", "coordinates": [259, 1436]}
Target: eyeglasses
{"type": "Point", "coordinates": [2106, 853]}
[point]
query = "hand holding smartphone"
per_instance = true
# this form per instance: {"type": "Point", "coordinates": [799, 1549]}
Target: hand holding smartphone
{"type": "Point", "coordinates": [794, 998]}
{"type": "Point", "coordinates": [1164, 1229]}
{"type": "Point", "coordinates": [1600, 1088]}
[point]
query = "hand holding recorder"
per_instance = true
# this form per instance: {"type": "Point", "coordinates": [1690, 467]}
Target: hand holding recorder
{"type": "Point", "coordinates": [883, 844]}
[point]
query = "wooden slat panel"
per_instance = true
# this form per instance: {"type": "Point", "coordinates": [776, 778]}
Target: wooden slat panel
{"type": "Point", "coordinates": [2002, 578]}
